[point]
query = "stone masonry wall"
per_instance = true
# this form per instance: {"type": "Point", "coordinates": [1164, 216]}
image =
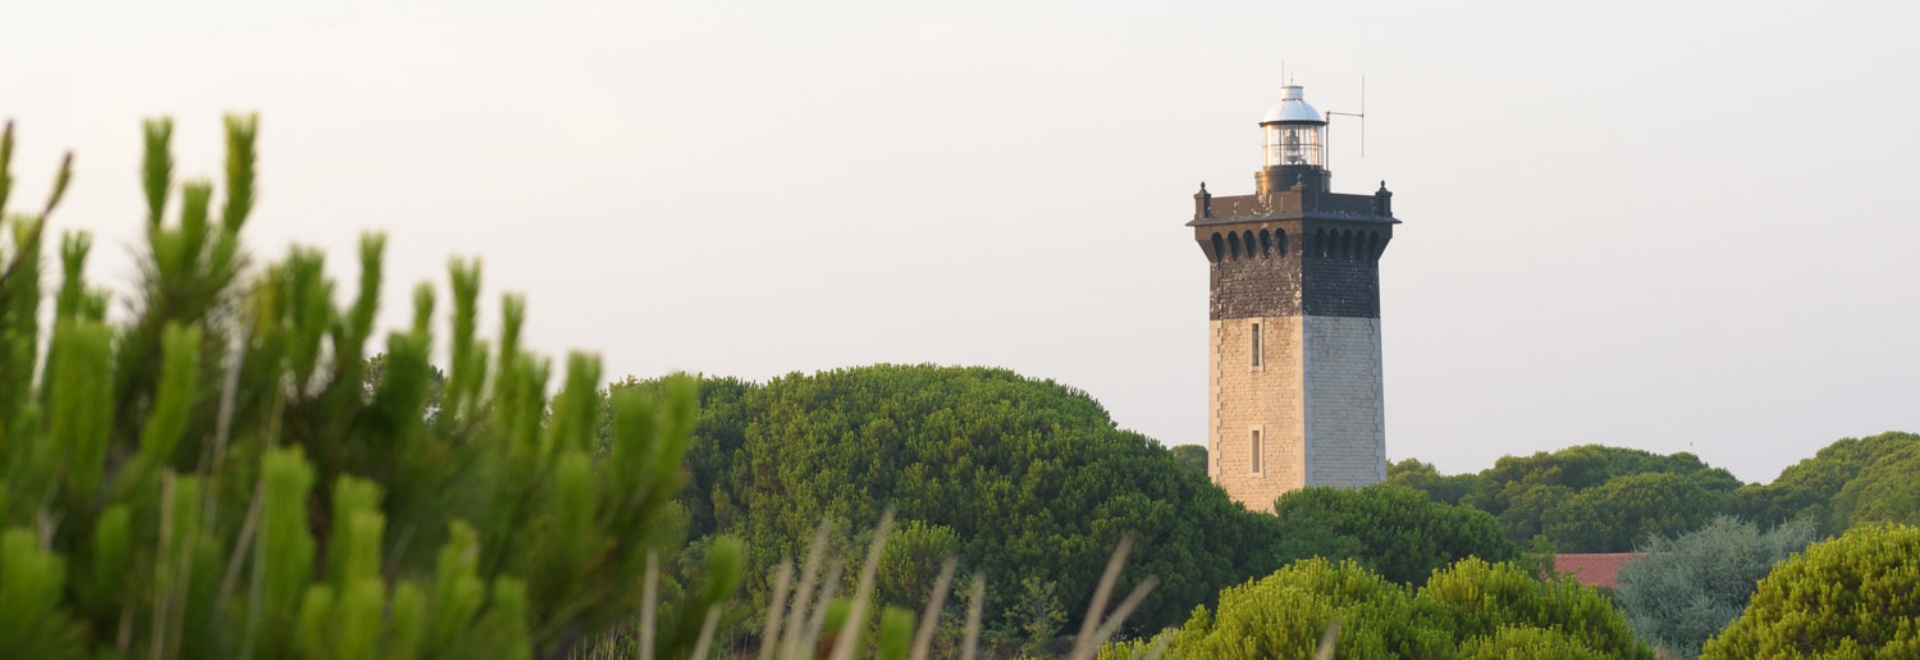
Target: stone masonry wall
{"type": "Point", "coordinates": [1345, 413]}
{"type": "Point", "coordinates": [1242, 397]}
{"type": "Point", "coordinates": [1291, 268]}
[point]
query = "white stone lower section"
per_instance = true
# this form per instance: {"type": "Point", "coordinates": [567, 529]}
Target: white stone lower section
{"type": "Point", "coordinates": [1346, 420]}
{"type": "Point", "coordinates": [1314, 397]}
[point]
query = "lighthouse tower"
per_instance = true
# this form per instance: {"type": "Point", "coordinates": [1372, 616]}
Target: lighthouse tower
{"type": "Point", "coordinates": [1294, 395]}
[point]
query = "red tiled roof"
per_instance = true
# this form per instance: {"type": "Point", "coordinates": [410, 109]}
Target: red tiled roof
{"type": "Point", "coordinates": [1597, 569]}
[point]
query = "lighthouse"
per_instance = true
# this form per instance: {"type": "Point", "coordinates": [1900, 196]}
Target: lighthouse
{"type": "Point", "coordinates": [1295, 396]}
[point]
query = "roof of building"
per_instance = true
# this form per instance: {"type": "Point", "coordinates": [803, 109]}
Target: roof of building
{"type": "Point", "coordinates": [1600, 569]}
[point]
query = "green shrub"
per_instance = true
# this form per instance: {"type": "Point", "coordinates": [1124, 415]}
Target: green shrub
{"type": "Point", "coordinates": [1472, 610]}
{"type": "Point", "coordinates": [1393, 530]}
{"type": "Point", "coordinates": [1480, 600]}
{"type": "Point", "coordinates": [912, 557]}
{"type": "Point", "coordinates": [1284, 615]}
{"type": "Point", "coordinates": [1857, 596]}
{"type": "Point", "coordinates": [1683, 590]}
{"type": "Point", "coordinates": [1528, 644]}
{"type": "Point", "coordinates": [211, 476]}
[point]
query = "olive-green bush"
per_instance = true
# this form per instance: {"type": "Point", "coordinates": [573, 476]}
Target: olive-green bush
{"type": "Point", "coordinates": [1473, 609]}
{"type": "Point", "coordinates": [1679, 592]}
{"type": "Point", "coordinates": [1393, 530]}
{"type": "Point", "coordinates": [1528, 644]}
{"type": "Point", "coordinates": [1478, 600]}
{"type": "Point", "coordinates": [1285, 614]}
{"type": "Point", "coordinates": [1854, 597]}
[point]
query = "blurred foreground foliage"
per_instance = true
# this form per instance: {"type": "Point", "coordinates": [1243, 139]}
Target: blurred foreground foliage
{"type": "Point", "coordinates": [213, 476]}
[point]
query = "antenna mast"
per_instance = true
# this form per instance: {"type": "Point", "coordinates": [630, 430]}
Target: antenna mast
{"type": "Point", "coordinates": [1362, 114]}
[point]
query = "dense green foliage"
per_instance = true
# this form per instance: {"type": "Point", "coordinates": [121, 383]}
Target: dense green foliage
{"type": "Point", "coordinates": [1528, 644]}
{"type": "Point", "coordinates": [1193, 457]}
{"type": "Point", "coordinates": [1885, 491]}
{"type": "Point", "coordinates": [1605, 499]}
{"type": "Point", "coordinates": [1420, 475]}
{"type": "Point", "coordinates": [1857, 596]}
{"type": "Point", "coordinates": [1394, 531]}
{"type": "Point", "coordinates": [1471, 610]}
{"type": "Point", "coordinates": [1684, 590]}
{"type": "Point", "coordinates": [1600, 499]}
{"type": "Point", "coordinates": [211, 477]}
{"type": "Point", "coordinates": [1032, 482]}
{"type": "Point", "coordinates": [1029, 482]}
{"type": "Point", "coordinates": [1481, 599]}
{"type": "Point", "coordinates": [1812, 487]}
{"type": "Point", "coordinates": [1285, 614]}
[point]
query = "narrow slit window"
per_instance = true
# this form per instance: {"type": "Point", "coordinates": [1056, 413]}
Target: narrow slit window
{"type": "Point", "coordinates": [1256, 344]}
{"type": "Point", "coordinates": [1255, 462]}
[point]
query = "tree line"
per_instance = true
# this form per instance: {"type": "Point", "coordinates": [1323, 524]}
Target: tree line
{"type": "Point", "coordinates": [1593, 498]}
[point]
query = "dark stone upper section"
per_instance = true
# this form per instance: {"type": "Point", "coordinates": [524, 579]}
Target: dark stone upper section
{"type": "Point", "coordinates": [1303, 252]}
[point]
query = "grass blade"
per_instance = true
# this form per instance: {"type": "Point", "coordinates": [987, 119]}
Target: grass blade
{"type": "Point", "coordinates": [776, 605]}
{"type": "Point", "coordinates": [923, 638]}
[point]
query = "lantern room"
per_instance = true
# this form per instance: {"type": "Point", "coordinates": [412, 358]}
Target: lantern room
{"type": "Point", "coordinates": [1294, 133]}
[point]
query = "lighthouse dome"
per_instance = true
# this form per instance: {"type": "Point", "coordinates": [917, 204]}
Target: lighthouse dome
{"type": "Point", "coordinates": [1293, 108]}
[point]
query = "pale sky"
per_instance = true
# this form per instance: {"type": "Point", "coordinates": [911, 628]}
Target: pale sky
{"type": "Point", "coordinates": [1676, 226]}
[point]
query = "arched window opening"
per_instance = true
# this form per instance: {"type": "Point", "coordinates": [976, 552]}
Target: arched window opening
{"type": "Point", "coordinates": [1319, 246]}
{"type": "Point", "coordinates": [1246, 239]}
{"type": "Point", "coordinates": [1373, 245]}
{"type": "Point", "coordinates": [1219, 248]}
{"type": "Point", "coordinates": [1266, 243]}
{"type": "Point", "coordinates": [1346, 244]}
{"type": "Point", "coordinates": [1280, 243]}
{"type": "Point", "coordinates": [1233, 243]}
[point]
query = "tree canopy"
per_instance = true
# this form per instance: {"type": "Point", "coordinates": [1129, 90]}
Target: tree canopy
{"type": "Point", "coordinates": [1472, 609]}
{"type": "Point", "coordinates": [1419, 475]}
{"type": "Point", "coordinates": [1809, 488]}
{"type": "Point", "coordinates": [1592, 498]}
{"type": "Point", "coordinates": [1857, 596]}
{"type": "Point", "coordinates": [1031, 480]}
{"type": "Point", "coordinates": [1588, 498]}
{"type": "Point", "coordinates": [1394, 531]}
{"type": "Point", "coordinates": [1885, 491]}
